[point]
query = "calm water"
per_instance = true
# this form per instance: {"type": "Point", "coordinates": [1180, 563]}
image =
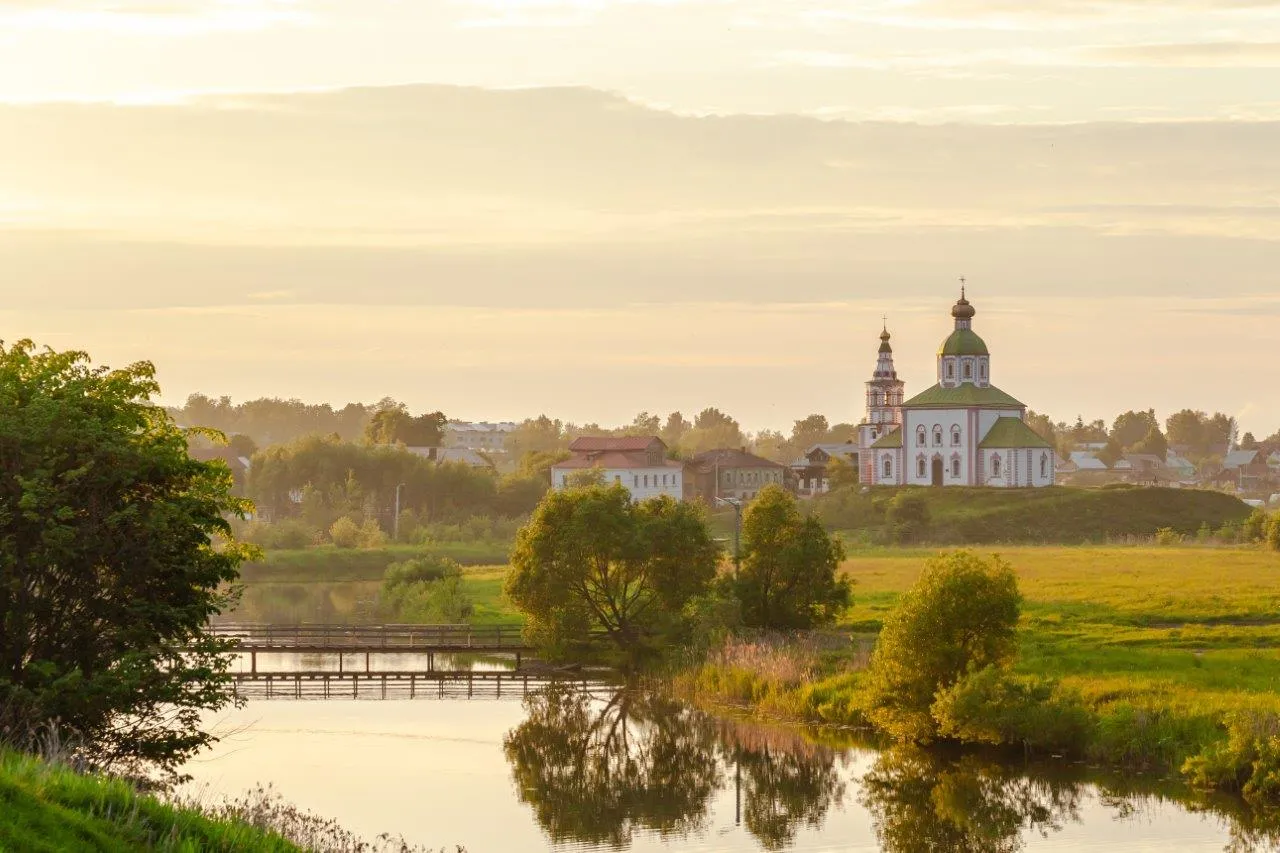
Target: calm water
{"type": "Point", "coordinates": [564, 770]}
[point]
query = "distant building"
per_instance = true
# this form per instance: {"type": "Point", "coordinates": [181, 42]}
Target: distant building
{"type": "Point", "coordinates": [477, 436]}
{"type": "Point", "coordinates": [451, 454]}
{"type": "Point", "coordinates": [810, 470]}
{"type": "Point", "coordinates": [733, 474]}
{"type": "Point", "coordinates": [638, 463]}
{"type": "Point", "coordinates": [1085, 460]}
{"type": "Point", "coordinates": [1181, 466]}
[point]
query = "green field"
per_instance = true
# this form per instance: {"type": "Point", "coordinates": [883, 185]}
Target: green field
{"type": "Point", "coordinates": [328, 563]}
{"type": "Point", "coordinates": [1159, 643]}
{"type": "Point", "coordinates": [49, 808]}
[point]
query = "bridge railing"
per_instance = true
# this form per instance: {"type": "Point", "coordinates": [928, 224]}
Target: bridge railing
{"type": "Point", "coordinates": [391, 636]}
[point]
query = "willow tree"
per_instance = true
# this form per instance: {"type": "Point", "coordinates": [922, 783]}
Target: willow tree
{"type": "Point", "coordinates": [114, 552]}
{"type": "Point", "coordinates": [593, 567]}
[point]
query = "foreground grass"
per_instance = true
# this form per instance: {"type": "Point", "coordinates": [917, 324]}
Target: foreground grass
{"type": "Point", "coordinates": [1160, 644]}
{"type": "Point", "coordinates": [44, 807]}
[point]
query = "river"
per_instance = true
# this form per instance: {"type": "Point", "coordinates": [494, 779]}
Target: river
{"type": "Point", "coordinates": [564, 769]}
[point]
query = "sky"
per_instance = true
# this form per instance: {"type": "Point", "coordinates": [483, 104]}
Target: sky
{"type": "Point", "coordinates": [590, 208]}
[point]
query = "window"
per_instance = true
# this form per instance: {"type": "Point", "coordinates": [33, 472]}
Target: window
{"type": "Point", "coordinates": [564, 481]}
{"type": "Point", "coordinates": [982, 370]}
{"type": "Point", "coordinates": [1044, 465]}
{"type": "Point", "coordinates": [637, 481]}
{"type": "Point", "coordinates": [955, 435]}
{"type": "Point", "coordinates": [921, 441]}
{"type": "Point", "coordinates": [920, 467]}
{"type": "Point", "coordinates": [937, 436]}
{"type": "Point", "coordinates": [955, 467]}
{"type": "Point", "coordinates": [617, 478]}
{"type": "Point", "coordinates": [968, 370]}
{"type": "Point", "coordinates": [995, 465]}
{"type": "Point", "coordinates": [951, 370]}
{"type": "Point", "coordinates": [888, 467]}
{"type": "Point", "coordinates": [646, 481]}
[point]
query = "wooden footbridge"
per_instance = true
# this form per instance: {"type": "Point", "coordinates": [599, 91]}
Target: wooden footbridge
{"type": "Point", "coordinates": [343, 641]}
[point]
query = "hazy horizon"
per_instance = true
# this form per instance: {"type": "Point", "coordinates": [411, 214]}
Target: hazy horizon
{"type": "Point", "coordinates": [590, 208]}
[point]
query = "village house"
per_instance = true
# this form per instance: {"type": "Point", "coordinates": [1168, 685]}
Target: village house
{"type": "Point", "coordinates": [638, 463]}
{"type": "Point", "coordinates": [810, 470]}
{"type": "Point", "coordinates": [477, 436]}
{"type": "Point", "coordinates": [733, 475]}
{"type": "Point", "coordinates": [442, 455]}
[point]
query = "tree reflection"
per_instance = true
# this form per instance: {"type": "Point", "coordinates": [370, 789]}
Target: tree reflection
{"type": "Point", "coordinates": [922, 802]}
{"type": "Point", "coordinates": [595, 769]}
{"type": "Point", "coordinates": [786, 782]}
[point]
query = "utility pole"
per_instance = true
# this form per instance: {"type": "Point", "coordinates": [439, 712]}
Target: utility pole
{"type": "Point", "coordinates": [736, 503]}
{"type": "Point", "coordinates": [395, 523]}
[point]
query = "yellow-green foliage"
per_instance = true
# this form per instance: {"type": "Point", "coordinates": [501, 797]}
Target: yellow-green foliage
{"type": "Point", "coordinates": [1159, 646]}
{"type": "Point", "coordinates": [44, 807]}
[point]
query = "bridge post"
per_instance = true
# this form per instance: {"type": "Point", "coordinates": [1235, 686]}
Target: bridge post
{"type": "Point", "coordinates": [517, 660]}
{"type": "Point", "coordinates": [413, 683]}
{"type": "Point", "coordinates": [366, 662]}
{"type": "Point", "coordinates": [253, 663]}
{"type": "Point", "coordinates": [431, 661]}
{"type": "Point", "coordinates": [339, 663]}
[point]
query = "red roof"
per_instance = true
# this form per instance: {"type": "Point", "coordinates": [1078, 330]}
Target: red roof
{"type": "Point", "coordinates": [616, 459]}
{"type": "Point", "coordinates": [624, 443]}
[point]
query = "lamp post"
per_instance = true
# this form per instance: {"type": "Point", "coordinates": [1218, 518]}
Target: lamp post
{"type": "Point", "coordinates": [736, 503]}
{"type": "Point", "coordinates": [395, 523]}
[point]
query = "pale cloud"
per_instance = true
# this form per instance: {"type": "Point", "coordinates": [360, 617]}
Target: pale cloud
{"type": "Point", "coordinates": [1231, 54]}
{"type": "Point", "coordinates": [156, 19]}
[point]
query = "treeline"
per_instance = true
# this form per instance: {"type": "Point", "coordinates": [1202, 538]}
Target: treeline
{"type": "Point", "coordinates": [1196, 435]}
{"type": "Point", "coordinates": [323, 489]}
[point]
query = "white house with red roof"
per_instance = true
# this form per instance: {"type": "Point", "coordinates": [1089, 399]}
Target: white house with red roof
{"type": "Point", "coordinates": [638, 462]}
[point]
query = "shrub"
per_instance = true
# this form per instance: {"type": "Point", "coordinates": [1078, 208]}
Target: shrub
{"type": "Point", "coordinates": [907, 517]}
{"type": "Point", "coordinates": [1255, 526]}
{"type": "Point", "coordinates": [420, 570]}
{"type": "Point", "coordinates": [424, 602]}
{"type": "Point", "coordinates": [993, 706]}
{"type": "Point", "coordinates": [959, 617]}
{"type": "Point", "coordinates": [287, 534]}
{"type": "Point", "coordinates": [1248, 761]}
{"type": "Point", "coordinates": [1167, 536]}
{"type": "Point", "coordinates": [371, 535]}
{"type": "Point", "coordinates": [1273, 532]}
{"type": "Point", "coordinates": [345, 533]}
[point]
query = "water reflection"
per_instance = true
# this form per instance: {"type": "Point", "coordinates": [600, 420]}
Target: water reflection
{"type": "Point", "coordinates": [597, 769]}
{"type": "Point", "coordinates": [600, 767]}
{"type": "Point", "coordinates": [919, 801]}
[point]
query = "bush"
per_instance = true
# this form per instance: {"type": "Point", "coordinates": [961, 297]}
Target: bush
{"type": "Point", "coordinates": [420, 570]}
{"type": "Point", "coordinates": [441, 601]}
{"type": "Point", "coordinates": [961, 616]}
{"type": "Point", "coordinates": [345, 533]}
{"type": "Point", "coordinates": [992, 706]}
{"type": "Point", "coordinates": [1255, 526]}
{"type": "Point", "coordinates": [908, 517]}
{"type": "Point", "coordinates": [371, 535]}
{"type": "Point", "coordinates": [1273, 532]}
{"type": "Point", "coordinates": [1248, 761]}
{"type": "Point", "coordinates": [1167, 536]}
{"type": "Point", "coordinates": [290, 533]}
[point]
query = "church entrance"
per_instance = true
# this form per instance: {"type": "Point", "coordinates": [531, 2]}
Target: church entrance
{"type": "Point", "coordinates": [937, 470]}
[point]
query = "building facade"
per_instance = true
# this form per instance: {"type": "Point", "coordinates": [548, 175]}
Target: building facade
{"type": "Point", "coordinates": [733, 475]}
{"type": "Point", "coordinates": [638, 463]}
{"type": "Point", "coordinates": [963, 431]}
{"type": "Point", "coordinates": [477, 436]}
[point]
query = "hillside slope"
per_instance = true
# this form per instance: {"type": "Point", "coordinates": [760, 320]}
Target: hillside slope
{"type": "Point", "coordinates": [1057, 515]}
{"type": "Point", "coordinates": [44, 807]}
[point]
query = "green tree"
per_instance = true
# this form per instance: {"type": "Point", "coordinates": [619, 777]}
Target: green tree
{"type": "Point", "coordinates": [394, 425]}
{"type": "Point", "coordinates": [961, 616]}
{"type": "Point", "coordinates": [537, 435]}
{"type": "Point", "coordinates": [592, 565]}
{"type": "Point", "coordinates": [1043, 426]}
{"type": "Point", "coordinates": [810, 431]}
{"type": "Point", "coordinates": [788, 577]}
{"type": "Point", "coordinates": [842, 472]}
{"type": "Point", "coordinates": [674, 429]}
{"type": "Point", "coordinates": [1273, 532]}
{"type": "Point", "coordinates": [1153, 443]}
{"type": "Point", "coordinates": [1131, 427]}
{"type": "Point", "coordinates": [1248, 442]}
{"type": "Point", "coordinates": [115, 550]}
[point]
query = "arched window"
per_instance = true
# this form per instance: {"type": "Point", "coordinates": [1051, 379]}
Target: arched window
{"type": "Point", "coordinates": [955, 466]}
{"type": "Point", "coordinates": [968, 370]}
{"type": "Point", "coordinates": [888, 467]}
{"type": "Point", "coordinates": [921, 434]}
{"type": "Point", "coordinates": [955, 435]}
{"type": "Point", "coordinates": [1044, 465]}
{"type": "Point", "coordinates": [937, 435]}
{"type": "Point", "coordinates": [995, 465]}
{"type": "Point", "coordinates": [951, 370]}
{"type": "Point", "coordinates": [982, 370]}
{"type": "Point", "coordinates": [921, 468]}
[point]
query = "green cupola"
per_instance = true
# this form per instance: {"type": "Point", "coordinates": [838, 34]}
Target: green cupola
{"type": "Point", "coordinates": [963, 357]}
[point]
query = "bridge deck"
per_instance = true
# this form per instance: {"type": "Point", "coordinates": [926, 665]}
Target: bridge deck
{"type": "Point", "coordinates": [397, 685]}
{"type": "Point", "coordinates": [262, 637]}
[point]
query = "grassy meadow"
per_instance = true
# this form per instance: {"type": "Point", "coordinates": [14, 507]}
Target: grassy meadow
{"type": "Point", "coordinates": [1159, 643]}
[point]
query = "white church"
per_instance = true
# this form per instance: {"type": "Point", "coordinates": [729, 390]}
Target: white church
{"type": "Point", "coordinates": [963, 431]}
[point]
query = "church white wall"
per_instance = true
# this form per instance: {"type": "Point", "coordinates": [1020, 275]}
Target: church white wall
{"type": "Point", "coordinates": [953, 423]}
{"type": "Point", "coordinates": [1017, 468]}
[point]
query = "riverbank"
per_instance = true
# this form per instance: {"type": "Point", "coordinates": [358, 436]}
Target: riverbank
{"type": "Point", "coordinates": [1159, 646]}
{"type": "Point", "coordinates": [45, 807]}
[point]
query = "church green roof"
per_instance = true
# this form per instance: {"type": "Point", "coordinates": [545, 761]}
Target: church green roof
{"type": "Point", "coordinates": [1012, 433]}
{"type": "Point", "coordinates": [966, 394]}
{"type": "Point", "coordinates": [963, 342]}
{"type": "Point", "coordinates": [893, 439]}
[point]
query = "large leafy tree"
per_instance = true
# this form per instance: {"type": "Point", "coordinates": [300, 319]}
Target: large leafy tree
{"type": "Point", "coordinates": [961, 616]}
{"type": "Point", "coordinates": [114, 552]}
{"type": "Point", "coordinates": [788, 578]}
{"type": "Point", "coordinates": [591, 566]}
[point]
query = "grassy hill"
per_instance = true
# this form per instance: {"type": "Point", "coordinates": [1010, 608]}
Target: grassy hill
{"type": "Point", "coordinates": [1057, 515]}
{"type": "Point", "coordinates": [45, 807]}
